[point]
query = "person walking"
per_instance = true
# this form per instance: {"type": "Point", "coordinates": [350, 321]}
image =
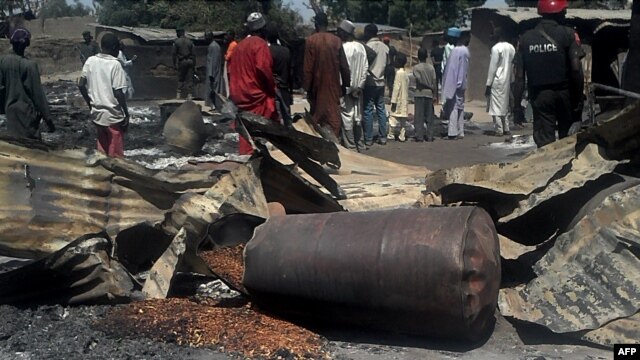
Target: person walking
{"type": "Point", "coordinates": [252, 86]}
{"type": "Point", "coordinates": [373, 94]}
{"type": "Point", "coordinates": [325, 65]}
{"type": "Point", "coordinates": [399, 101]}
{"type": "Point", "coordinates": [184, 61]}
{"type": "Point", "coordinates": [351, 102]}
{"type": "Point", "coordinates": [454, 85]}
{"type": "Point", "coordinates": [88, 47]}
{"type": "Point", "coordinates": [22, 98]}
{"type": "Point", "coordinates": [498, 90]}
{"type": "Point", "coordinates": [127, 65]}
{"type": "Point", "coordinates": [214, 69]}
{"type": "Point", "coordinates": [426, 89]}
{"type": "Point", "coordinates": [102, 85]}
{"type": "Point", "coordinates": [549, 56]}
{"type": "Point", "coordinates": [282, 72]}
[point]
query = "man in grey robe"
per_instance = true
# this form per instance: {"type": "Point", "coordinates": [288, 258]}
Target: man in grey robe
{"type": "Point", "coordinates": [214, 69]}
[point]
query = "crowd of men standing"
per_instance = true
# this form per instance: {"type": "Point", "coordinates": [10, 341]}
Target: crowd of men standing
{"type": "Point", "coordinates": [344, 80]}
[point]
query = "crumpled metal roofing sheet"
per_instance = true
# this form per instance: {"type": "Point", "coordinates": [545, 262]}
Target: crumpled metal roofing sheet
{"type": "Point", "coordinates": [521, 14]}
{"type": "Point", "coordinates": [591, 276]}
{"type": "Point", "coordinates": [50, 198]}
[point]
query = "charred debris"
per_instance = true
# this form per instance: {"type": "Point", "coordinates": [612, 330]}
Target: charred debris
{"type": "Point", "coordinates": [235, 253]}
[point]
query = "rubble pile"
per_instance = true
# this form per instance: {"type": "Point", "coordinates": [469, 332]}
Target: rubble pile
{"type": "Point", "coordinates": [229, 326]}
{"type": "Point", "coordinates": [101, 230]}
{"type": "Point", "coordinates": [573, 204]}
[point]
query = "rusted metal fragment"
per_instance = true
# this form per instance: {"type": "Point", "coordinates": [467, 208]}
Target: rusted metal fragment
{"type": "Point", "coordinates": [159, 282]}
{"type": "Point", "coordinates": [618, 136]}
{"type": "Point", "coordinates": [437, 274]}
{"type": "Point", "coordinates": [48, 199]}
{"type": "Point", "coordinates": [512, 250]}
{"type": "Point", "coordinates": [382, 194]}
{"type": "Point", "coordinates": [281, 183]}
{"type": "Point", "coordinates": [591, 276]}
{"type": "Point", "coordinates": [138, 247]}
{"type": "Point", "coordinates": [184, 130]}
{"type": "Point", "coordinates": [233, 229]}
{"type": "Point", "coordinates": [239, 191]}
{"type": "Point", "coordinates": [312, 147]}
{"type": "Point", "coordinates": [620, 331]}
{"type": "Point", "coordinates": [588, 165]}
{"type": "Point", "coordinates": [314, 170]}
{"type": "Point", "coordinates": [80, 273]}
{"type": "Point", "coordinates": [515, 180]}
{"type": "Point", "coordinates": [173, 181]}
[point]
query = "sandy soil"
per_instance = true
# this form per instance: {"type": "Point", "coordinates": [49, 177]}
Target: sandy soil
{"type": "Point", "coordinates": [56, 332]}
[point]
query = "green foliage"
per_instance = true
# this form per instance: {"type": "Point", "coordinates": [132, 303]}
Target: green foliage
{"type": "Point", "coordinates": [423, 15]}
{"type": "Point", "coordinates": [44, 8]}
{"type": "Point", "coordinates": [193, 15]}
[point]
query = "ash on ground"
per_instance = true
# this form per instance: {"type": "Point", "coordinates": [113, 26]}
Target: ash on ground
{"type": "Point", "coordinates": [216, 290]}
{"type": "Point", "coordinates": [143, 142]}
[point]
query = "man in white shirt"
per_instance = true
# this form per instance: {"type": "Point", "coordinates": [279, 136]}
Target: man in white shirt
{"type": "Point", "coordinates": [102, 86]}
{"type": "Point", "coordinates": [351, 102]}
{"type": "Point", "coordinates": [499, 81]}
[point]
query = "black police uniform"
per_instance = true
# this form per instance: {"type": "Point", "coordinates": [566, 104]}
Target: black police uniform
{"type": "Point", "coordinates": [545, 53]}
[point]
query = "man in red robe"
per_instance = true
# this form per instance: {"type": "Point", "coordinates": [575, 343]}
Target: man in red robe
{"type": "Point", "coordinates": [324, 65]}
{"type": "Point", "coordinates": [252, 86]}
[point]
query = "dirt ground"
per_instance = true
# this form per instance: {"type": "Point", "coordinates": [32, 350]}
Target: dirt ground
{"type": "Point", "coordinates": [57, 332]}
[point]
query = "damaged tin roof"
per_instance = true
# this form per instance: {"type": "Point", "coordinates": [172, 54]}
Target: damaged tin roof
{"type": "Point", "coordinates": [522, 14]}
{"type": "Point", "coordinates": [154, 35]}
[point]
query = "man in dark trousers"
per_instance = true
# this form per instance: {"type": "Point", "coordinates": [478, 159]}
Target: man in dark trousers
{"type": "Point", "coordinates": [437, 54]}
{"type": "Point", "coordinates": [282, 74]}
{"type": "Point", "coordinates": [184, 61]}
{"type": "Point", "coordinates": [373, 94]}
{"type": "Point", "coordinates": [426, 87]}
{"type": "Point", "coordinates": [550, 58]}
{"type": "Point", "coordinates": [88, 47]}
{"type": "Point", "coordinates": [390, 70]}
{"type": "Point", "coordinates": [22, 98]}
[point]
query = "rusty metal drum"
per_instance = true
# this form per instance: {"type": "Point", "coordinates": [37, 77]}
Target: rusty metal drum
{"type": "Point", "coordinates": [433, 271]}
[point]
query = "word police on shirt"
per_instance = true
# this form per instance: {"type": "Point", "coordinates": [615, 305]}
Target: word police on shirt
{"type": "Point", "coordinates": [542, 48]}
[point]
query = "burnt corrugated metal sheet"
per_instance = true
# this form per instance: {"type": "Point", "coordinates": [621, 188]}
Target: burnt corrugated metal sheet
{"type": "Point", "coordinates": [520, 14]}
{"type": "Point", "coordinates": [580, 197]}
{"type": "Point", "coordinates": [154, 35]}
{"type": "Point", "coordinates": [50, 198]}
{"type": "Point", "coordinates": [591, 276]}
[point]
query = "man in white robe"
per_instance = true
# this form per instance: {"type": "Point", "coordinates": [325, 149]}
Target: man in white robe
{"type": "Point", "coordinates": [498, 88]}
{"type": "Point", "coordinates": [351, 102]}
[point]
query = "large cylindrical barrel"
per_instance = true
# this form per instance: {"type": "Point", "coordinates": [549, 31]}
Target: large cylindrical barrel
{"type": "Point", "coordinates": [432, 271]}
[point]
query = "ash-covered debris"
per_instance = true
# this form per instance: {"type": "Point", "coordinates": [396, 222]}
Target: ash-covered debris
{"type": "Point", "coordinates": [574, 202]}
{"type": "Point", "coordinates": [519, 142]}
{"type": "Point", "coordinates": [217, 290]}
{"type": "Point", "coordinates": [144, 142]}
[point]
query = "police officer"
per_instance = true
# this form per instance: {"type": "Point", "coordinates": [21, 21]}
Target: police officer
{"type": "Point", "coordinates": [184, 61]}
{"type": "Point", "coordinates": [550, 57]}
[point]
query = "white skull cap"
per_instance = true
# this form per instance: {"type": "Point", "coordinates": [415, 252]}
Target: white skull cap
{"type": "Point", "coordinates": [347, 26]}
{"type": "Point", "coordinates": [255, 21]}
